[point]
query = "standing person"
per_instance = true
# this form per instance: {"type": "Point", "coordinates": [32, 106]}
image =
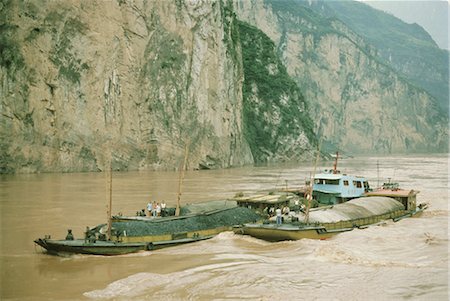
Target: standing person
{"type": "Point", "coordinates": [154, 209]}
{"type": "Point", "coordinates": [158, 209]}
{"type": "Point", "coordinates": [163, 208]}
{"type": "Point", "coordinates": [278, 214]}
{"type": "Point", "coordinates": [69, 235]}
{"type": "Point", "coordinates": [149, 208]}
{"type": "Point", "coordinates": [271, 211]}
{"type": "Point", "coordinates": [296, 206]}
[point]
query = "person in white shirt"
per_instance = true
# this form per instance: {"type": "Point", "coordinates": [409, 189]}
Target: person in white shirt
{"type": "Point", "coordinates": [158, 209]}
{"type": "Point", "coordinates": [279, 217]}
{"type": "Point", "coordinates": [154, 209]}
{"type": "Point", "coordinates": [149, 208]}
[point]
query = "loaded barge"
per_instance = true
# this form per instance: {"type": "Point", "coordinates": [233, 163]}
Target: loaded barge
{"type": "Point", "coordinates": [323, 222]}
{"type": "Point", "coordinates": [133, 234]}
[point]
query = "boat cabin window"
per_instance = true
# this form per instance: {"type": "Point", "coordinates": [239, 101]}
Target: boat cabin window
{"type": "Point", "coordinates": [327, 181]}
{"type": "Point", "coordinates": [358, 184]}
{"type": "Point", "coordinates": [345, 182]}
{"type": "Point", "coordinates": [366, 185]}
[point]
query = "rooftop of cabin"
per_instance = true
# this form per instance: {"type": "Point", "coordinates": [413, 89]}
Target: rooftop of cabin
{"type": "Point", "coordinates": [393, 193]}
{"type": "Point", "coordinates": [330, 174]}
{"type": "Point", "coordinates": [392, 189]}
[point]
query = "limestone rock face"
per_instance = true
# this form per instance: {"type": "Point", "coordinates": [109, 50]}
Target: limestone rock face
{"type": "Point", "coordinates": [84, 83]}
{"type": "Point", "coordinates": [358, 104]}
{"type": "Point", "coordinates": [407, 48]}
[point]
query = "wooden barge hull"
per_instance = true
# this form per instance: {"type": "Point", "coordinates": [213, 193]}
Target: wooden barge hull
{"type": "Point", "coordinates": [108, 248]}
{"type": "Point", "coordinates": [79, 246]}
{"type": "Point", "coordinates": [178, 236]}
{"type": "Point", "coordinates": [275, 233]}
{"type": "Point", "coordinates": [296, 231]}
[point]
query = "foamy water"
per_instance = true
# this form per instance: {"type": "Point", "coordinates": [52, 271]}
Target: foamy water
{"type": "Point", "coordinates": [363, 264]}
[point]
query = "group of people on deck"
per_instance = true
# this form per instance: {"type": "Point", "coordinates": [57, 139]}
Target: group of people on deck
{"type": "Point", "coordinates": [155, 209]}
{"type": "Point", "coordinates": [279, 212]}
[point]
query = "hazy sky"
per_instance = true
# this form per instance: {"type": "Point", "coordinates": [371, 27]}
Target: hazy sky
{"type": "Point", "coordinates": [432, 15]}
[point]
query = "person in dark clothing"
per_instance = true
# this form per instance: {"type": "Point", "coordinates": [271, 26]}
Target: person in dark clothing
{"type": "Point", "coordinates": [69, 235]}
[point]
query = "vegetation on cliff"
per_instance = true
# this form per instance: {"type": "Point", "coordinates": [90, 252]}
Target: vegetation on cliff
{"type": "Point", "coordinates": [407, 48]}
{"type": "Point", "coordinates": [275, 111]}
{"type": "Point", "coordinates": [10, 56]}
{"type": "Point", "coordinates": [86, 83]}
{"type": "Point", "coordinates": [358, 101]}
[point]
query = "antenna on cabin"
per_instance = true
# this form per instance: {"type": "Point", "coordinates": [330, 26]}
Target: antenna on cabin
{"type": "Point", "coordinates": [335, 171]}
{"type": "Point", "coordinates": [378, 173]}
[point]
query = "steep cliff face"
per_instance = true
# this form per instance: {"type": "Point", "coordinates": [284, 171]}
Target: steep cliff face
{"type": "Point", "coordinates": [407, 48]}
{"type": "Point", "coordinates": [358, 104]}
{"type": "Point", "coordinates": [83, 82]}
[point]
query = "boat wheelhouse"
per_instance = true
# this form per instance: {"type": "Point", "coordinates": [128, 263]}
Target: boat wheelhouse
{"type": "Point", "coordinates": [331, 187]}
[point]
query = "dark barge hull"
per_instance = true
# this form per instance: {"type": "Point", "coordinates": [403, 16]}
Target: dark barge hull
{"type": "Point", "coordinates": [324, 230]}
{"type": "Point", "coordinates": [274, 233]}
{"type": "Point", "coordinates": [107, 248]}
{"type": "Point", "coordinates": [79, 246]}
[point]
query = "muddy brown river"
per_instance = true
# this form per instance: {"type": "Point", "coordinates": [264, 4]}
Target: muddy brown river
{"type": "Point", "coordinates": [393, 261]}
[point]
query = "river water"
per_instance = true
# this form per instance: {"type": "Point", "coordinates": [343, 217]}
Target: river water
{"type": "Point", "coordinates": [394, 261]}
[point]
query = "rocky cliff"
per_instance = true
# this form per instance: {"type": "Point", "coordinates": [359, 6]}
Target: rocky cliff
{"type": "Point", "coordinates": [133, 83]}
{"type": "Point", "coordinates": [86, 82]}
{"type": "Point", "coordinates": [358, 103]}
{"type": "Point", "coordinates": [407, 48]}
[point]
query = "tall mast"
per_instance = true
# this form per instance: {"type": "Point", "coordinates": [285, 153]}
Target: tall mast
{"type": "Point", "coordinates": [180, 181]}
{"type": "Point", "coordinates": [311, 183]}
{"type": "Point", "coordinates": [110, 205]}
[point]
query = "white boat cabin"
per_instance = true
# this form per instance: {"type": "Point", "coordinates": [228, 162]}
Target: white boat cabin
{"type": "Point", "coordinates": [331, 187]}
